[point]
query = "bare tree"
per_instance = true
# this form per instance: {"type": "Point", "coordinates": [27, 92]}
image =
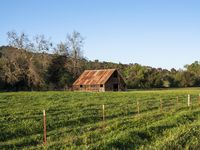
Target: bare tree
{"type": "Point", "coordinates": [42, 44]}
{"type": "Point", "coordinates": [22, 64]}
{"type": "Point", "coordinates": [61, 49]}
{"type": "Point", "coordinates": [75, 43]}
{"type": "Point", "coordinates": [20, 41]}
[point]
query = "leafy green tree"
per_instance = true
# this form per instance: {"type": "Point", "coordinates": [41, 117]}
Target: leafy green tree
{"type": "Point", "coordinates": [58, 76]}
{"type": "Point", "coordinates": [185, 79]}
{"type": "Point", "coordinates": [194, 68]}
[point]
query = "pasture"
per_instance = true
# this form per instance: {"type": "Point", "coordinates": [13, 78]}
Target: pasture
{"type": "Point", "coordinates": [74, 120]}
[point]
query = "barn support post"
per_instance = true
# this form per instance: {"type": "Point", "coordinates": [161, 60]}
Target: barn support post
{"type": "Point", "coordinates": [44, 124]}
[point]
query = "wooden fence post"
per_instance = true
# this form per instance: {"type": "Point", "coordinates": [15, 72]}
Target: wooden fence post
{"type": "Point", "coordinates": [103, 107]}
{"type": "Point", "coordinates": [138, 107]}
{"type": "Point", "coordinates": [188, 100]}
{"type": "Point", "coordinates": [199, 99]}
{"type": "Point", "coordinates": [44, 123]}
{"type": "Point", "coordinates": [103, 116]}
{"type": "Point", "coordinates": [161, 106]}
{"type": "Point", "coordinates": [177, 101]}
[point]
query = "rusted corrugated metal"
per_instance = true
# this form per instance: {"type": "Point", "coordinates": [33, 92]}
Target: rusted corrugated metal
{"type": "Point", "coordinates": [94, 77]}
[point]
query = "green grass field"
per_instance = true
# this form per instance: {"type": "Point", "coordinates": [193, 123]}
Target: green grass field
{"type": "Point", "coordinates": [74, 120]}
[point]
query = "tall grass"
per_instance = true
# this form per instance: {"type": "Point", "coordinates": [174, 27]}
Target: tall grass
{"type": "Point", "coordinates": [74, 120]}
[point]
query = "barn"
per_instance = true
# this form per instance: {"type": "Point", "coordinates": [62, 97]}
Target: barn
{"type": "Point", "coordinates": [100, 81]}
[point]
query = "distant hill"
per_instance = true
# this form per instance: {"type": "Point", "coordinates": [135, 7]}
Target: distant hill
{"type": "Point", "coordinates": [24, 70]}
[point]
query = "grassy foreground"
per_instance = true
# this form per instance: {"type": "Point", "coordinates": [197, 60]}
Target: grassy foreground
{"type": "Point", "coordinates": [74, 120]}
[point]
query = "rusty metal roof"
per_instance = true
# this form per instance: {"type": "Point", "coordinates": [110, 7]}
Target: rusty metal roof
{"type": "Point", "coordinates": [94, 77]}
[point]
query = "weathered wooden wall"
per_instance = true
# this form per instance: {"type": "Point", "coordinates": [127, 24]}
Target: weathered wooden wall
{"type": "Point", "coordinates": [94, 88]}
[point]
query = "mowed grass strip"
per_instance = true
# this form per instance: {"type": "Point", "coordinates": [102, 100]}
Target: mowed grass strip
{"type": "Point", "coordinates": [74, 120]}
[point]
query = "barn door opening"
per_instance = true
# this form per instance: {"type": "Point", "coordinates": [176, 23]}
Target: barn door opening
{"type": "Point", "coordinates": [115, 87]}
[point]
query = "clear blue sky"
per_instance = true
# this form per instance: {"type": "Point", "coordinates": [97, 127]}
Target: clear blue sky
{"type": "Point", "coordinates": [157, 33]}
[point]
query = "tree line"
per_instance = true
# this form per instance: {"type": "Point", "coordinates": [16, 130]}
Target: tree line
{"type": "Point", "coordinates": [38, 64]}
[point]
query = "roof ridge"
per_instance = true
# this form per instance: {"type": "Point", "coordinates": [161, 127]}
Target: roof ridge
{"type": "Point", "coordinates": [98, 69]}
